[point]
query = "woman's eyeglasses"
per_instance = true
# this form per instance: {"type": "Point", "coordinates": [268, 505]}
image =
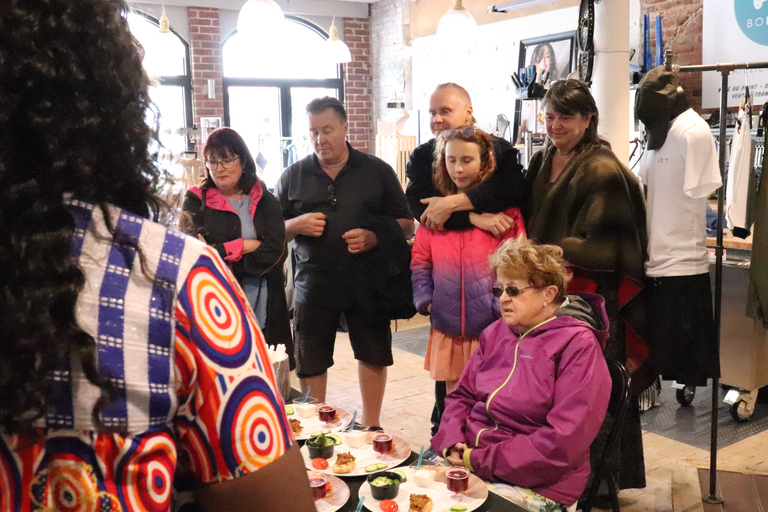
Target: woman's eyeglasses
{"type": "Point", "coordinates": [332, 196]}
{"type": "Point", "coordinates": [226, 163]}
{"type": "Point", "coordinates": [466, 132]}
{"type": "Point", "coordinates": [512, 291]}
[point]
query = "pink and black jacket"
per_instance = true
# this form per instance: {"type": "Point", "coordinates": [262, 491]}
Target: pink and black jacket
{"type": "Point", "coordinates": [449, 269]}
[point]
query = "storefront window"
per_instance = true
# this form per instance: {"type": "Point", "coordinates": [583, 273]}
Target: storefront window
{"type": "Point", "coordinates": [166, 60]}
{"type": "Point", "coordinates": [266, 93]}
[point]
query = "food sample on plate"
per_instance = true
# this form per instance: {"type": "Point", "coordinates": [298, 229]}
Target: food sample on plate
{"type": "Point", "coordinates": [424, 476]}
{"type": "Point", "coordinates": [385, 485]}
{"type": "Point", "coordinates": [420, 503]}
{"type": "Point", "coordinates": [355, 438]}
{"type": "Point", "coordinates": [320, 463]}
{"type": "Point", "coordinates": [321, 446]}
{"type": "Point", "coordinates": [389, 506]}
{"type": "Point", "coordinates": [295, 426]}
{"type": "Point", "coordinates": [305, 409]}
{"type": "Point", "coordinates": [345, 462]}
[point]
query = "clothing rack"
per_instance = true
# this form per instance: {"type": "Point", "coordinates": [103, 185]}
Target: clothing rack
{"type": "Point", "coordinates": [724, 70]}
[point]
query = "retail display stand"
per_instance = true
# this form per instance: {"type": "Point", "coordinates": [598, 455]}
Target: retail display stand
{"type": "Point", "coordinates": [724, 70]}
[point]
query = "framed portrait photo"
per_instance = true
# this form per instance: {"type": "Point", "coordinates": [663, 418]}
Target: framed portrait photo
{"type": "Point", "coordinates": [554, 55]}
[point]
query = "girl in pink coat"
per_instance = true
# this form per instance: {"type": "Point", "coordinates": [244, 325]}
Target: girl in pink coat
{"type": "Point", "coordinates": [451, 278]}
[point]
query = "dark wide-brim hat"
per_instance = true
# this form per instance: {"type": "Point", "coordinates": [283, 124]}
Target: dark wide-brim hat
{"type": "Point", "coordinates": [654, 102]}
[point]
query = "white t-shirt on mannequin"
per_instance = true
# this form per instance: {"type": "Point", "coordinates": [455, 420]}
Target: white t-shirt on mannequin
{"type": "Point", "coordinates": [680, 176]}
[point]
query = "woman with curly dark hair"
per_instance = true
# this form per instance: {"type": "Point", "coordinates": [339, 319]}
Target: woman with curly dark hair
{"type": "Point", "coordinates": [117, 331]}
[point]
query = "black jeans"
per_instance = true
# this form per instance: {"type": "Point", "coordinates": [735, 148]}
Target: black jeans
{"type": "Point", "coordinates": [437, 410]}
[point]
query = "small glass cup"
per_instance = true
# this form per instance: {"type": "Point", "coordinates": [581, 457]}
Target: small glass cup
{"type": "Point", "coordinates": [326, 413]}
{"type": "Point", "coordinates": [457, 479]}
{"type": "Point", "coordinates": [319, 485]}
{"type": "Point", "coordinates": [305, 409]}
{"type": "Point", "coordinates": [382, 442]}
{"type": "Point", "coordinates": [424, 475]}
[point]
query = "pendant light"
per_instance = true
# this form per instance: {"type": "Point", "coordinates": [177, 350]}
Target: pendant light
{"type": "Point", "coordinates": [165, 25]}
{"type": "Point", "coordinates": [260, 17]}
{"type": "Point", "coordinates": [457, 24]}
{"type": "Point", "coordinates": [336, 49]}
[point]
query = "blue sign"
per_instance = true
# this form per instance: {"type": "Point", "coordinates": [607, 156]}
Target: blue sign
{"type": "Point", "coordinates": [752, 18]}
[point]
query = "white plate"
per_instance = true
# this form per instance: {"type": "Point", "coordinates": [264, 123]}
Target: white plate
{"type": "Point", "coordinates": [313, 423]}
{"type": "Point", "coordinates": [338, 497]}
{"type": "Point", "coordinates": [364, 456]}
{"type": "Point", "coordinates": [442, 498]}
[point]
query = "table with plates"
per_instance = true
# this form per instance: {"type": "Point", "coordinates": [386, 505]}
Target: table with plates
{"type": "Point", "coordinates": [494, 503]}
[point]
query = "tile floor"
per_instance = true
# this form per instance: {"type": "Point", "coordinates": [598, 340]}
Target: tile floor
{"type": "Point", "coordinates": [671, 467]}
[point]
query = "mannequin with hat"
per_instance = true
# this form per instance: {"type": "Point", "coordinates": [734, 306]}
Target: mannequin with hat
{"type": "Point", "coordinates": [680, 170]}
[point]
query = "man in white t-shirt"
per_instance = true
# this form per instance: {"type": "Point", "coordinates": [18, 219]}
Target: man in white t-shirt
{"type": "Point", "coordinates": [680, 170]}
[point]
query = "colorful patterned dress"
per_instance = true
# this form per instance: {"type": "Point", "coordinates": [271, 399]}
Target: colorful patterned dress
{"type": "Point", "coordinates": [197, 392]}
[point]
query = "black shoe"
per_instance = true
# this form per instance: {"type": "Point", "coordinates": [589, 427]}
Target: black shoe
{"type": "Point", "coordinates": [373, 428]}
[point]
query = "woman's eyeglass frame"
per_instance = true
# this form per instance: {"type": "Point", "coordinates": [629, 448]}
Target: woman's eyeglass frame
{"type": "Point", "coordinates": [511, 291]}
{"type": "Point", "coordinates": [226, 163]}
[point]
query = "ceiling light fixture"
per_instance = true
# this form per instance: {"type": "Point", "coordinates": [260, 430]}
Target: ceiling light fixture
{"type": "Point", "coordinates": [456, 23]}
{"type": "Point", "coordinates": [336, 49]}
{"type": "Point", "coordinates": [519, 4]}
{"type": "Point", "coordinates": [260, 17]}
{"type": "Point", "coordinates": [165, 26]}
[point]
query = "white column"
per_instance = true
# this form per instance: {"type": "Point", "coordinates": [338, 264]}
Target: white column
{"type": "Point", "coordinates": [610, 79]}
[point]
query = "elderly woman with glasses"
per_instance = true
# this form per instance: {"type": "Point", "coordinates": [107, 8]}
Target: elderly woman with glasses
{"type": "Point", "coordinates": [233, 211]}
{"type": "Point", "coordinates": [533, 396]}
{"type": "Point", "coordinates": [588, 203]}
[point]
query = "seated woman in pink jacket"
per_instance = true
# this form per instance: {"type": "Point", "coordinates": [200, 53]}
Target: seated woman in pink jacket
{"type": "Point", "coordinates": [532, 398]}
{"type": "Point", "coordinates": [450, 274]}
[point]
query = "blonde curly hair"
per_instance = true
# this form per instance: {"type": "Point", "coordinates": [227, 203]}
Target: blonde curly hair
{"type": "Point", "coordinates": [540, 265]}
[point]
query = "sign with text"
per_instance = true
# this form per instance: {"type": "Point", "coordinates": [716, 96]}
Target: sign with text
{"type": "Point", "coordinates": [735, 31]}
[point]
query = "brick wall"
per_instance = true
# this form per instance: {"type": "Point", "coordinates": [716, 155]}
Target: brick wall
{"type": "Point", "coordinates": [205, 54]}
{"type": "Point", "coordinates": [357, 84]}
{"type": "Point", "coordinates": [681, 32]}
{"type": "Point", "coordinates": [387, 50]}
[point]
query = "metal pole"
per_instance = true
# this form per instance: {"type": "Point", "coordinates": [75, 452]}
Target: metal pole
{"type": "Point", "coordinates": [712, 497]}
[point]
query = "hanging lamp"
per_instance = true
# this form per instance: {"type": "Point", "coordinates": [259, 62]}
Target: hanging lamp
{"type": "Point", "coordinates": [165, 25]}
{"type": "Point", "coordinates": [336, 49]}
{"type": "Point", "coordinates": [260, 17]}
{"type": "Point", "coordinates": [457, 23]}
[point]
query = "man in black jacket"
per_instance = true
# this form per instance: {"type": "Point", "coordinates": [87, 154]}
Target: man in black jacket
{"type": "Point", "coordinates": [450, 107]}
{"type": "Point", "coordinates": [344, 209]}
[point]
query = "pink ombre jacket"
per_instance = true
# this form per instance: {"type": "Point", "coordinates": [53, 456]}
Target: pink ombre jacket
{"type": "Point", "coordinates": [449, 269]}
{"type": "Point", "coordinates": [530, 405]}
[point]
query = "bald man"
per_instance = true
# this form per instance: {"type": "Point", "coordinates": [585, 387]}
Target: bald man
{"type": "Point", "coordinates": [450, 107]}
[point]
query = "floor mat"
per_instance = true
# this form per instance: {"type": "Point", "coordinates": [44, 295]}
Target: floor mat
{"type": "Point", "coordinates": [691, 424]}
{"type": "Point", "coordinates": [412, 340]}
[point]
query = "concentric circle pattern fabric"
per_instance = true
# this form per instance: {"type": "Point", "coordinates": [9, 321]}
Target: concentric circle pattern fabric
{"type": "Point", "coordinates": [209, 396]}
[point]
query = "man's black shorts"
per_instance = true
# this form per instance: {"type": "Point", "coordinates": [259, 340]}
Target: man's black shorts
{"type": "Point", "coordinates": [315, 334]}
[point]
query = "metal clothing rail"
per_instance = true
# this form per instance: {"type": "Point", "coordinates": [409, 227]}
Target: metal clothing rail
{"type": "Point", "coordinates": [724, 70]}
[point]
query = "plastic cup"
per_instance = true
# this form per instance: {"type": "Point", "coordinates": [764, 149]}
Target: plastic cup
{"type": "Point", "coordinates": [355, 438]}
{"type": "Point", "coordinates": [326, 413]}
{"type": "Point", "coordinates": [305, 409]}
{"type": "Point", "coordinates": [457, 479]}
{"type": "Point", "coordinates": [423, 476]}
{"type": "Point", "coordinates": [382, 442]}
{"type": "Point", "coordinates": [319, 485]}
